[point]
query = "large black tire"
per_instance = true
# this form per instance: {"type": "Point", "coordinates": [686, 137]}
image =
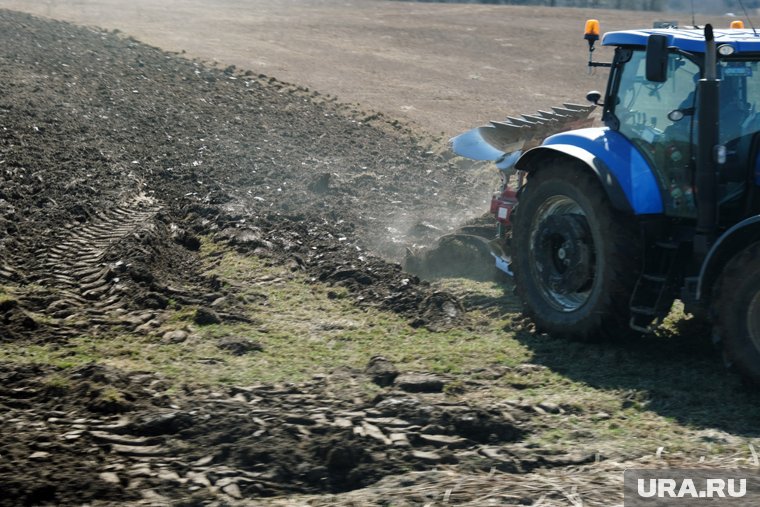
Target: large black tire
{"type": "Point", "coordinates": [576, 259]}
{"type": "Point", "coordinates": [738, 307]}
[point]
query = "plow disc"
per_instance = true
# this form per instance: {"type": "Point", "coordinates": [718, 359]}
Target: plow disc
{"type": "Point", "coordinates": [474, 249]}
{"type": "Point", "coordinates": [454, 255]}
{"type": "Point", "coordinates": [468, 252]}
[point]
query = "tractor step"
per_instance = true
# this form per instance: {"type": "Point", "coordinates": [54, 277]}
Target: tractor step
{"type": "Point", "coordinates": [643, 310]}
{"type": "Point", "coordinates": [655, 289]}
{"type": "Point", "coordinates": [642, 318]}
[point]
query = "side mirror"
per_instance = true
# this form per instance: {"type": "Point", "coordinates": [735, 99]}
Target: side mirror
{"type": "Point", "coordinates": [657, 58]}
{"type": "Point", "coordinates": [594, 97]}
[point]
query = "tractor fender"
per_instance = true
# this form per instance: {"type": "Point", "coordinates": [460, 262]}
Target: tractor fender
{"type": "Point", "coordinates": [731, 242]}
{"type": "Point", "coordinates": [625, 175]}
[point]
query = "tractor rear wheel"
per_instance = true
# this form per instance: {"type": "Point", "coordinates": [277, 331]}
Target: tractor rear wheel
{"type": "Point", "coordinates": [575, 258]}
{"type": "Point", "coordinates": [738, 308]}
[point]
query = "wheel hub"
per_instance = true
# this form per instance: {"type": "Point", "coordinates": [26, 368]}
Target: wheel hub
{"type": "Point", "coordinates": [563, 253]}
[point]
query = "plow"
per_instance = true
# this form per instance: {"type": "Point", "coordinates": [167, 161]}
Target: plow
{"type": "Point", "coordinates": [476, 247]}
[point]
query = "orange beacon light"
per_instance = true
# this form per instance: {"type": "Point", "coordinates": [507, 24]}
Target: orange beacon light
{"type": "Point", "coordinates": [592, 31]}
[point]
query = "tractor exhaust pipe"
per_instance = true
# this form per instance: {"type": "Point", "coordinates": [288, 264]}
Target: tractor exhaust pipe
{"type": "Point", "coordinates": [709, 152]}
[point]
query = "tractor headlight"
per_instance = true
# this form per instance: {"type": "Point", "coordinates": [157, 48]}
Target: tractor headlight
{"type": "Point", "coordinates": [726, 49]}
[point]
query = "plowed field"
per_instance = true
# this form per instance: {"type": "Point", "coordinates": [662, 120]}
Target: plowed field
{"type": "Point", "coordinates": [201, 303]}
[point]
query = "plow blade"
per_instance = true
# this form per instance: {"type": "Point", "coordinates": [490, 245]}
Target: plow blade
{"type": "Point", "coordinates": [500, 138]}
{"type": "Point", "coordinates": [505, 137]}
{"type": "Point", "coordinates": [473, 145]}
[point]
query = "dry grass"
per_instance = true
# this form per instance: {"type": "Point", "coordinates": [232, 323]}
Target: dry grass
{"type": "Point", "coordinates": [596, 485]}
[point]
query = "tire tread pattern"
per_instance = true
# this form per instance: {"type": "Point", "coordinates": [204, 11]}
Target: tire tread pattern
{"type": "Point", "coordinates": [610, 316]}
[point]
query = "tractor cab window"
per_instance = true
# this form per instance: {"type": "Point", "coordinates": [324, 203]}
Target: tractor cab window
{"type": "Point", "coordinates": [739, 100]}
{"type": "Point", "coordinates": [739, 122]}
{"type": "Point", "coordinates": [643, 110]}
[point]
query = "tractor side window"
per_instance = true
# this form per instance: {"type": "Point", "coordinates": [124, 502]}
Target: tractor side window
{"type": "Point", "coordinates": [643, 110]}
{"type": "Point", "coordinates": [739, 114]}
{"type": "Point", "coordinates": [739, 99]}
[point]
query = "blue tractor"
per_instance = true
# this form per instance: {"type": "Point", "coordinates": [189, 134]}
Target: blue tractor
{"type": "Point", "coordinates": [604, 228]}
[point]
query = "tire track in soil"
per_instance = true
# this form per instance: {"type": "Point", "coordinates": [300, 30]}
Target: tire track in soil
{"type": "Point", "coordinates": [77, 276]}
{"type": "Point", "coordinates": [73, 274]}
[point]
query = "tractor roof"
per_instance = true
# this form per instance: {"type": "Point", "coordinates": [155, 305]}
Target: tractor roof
{"type": "Point", "coordinates": [691, 39]}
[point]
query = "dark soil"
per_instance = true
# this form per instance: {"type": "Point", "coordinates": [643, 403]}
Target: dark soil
{"type": "Point", "coordinates": [95, 433]}
{"type": "Point", "coordinates": [116, 159]}
{"type": "Point", "coordinates": [115, 156]}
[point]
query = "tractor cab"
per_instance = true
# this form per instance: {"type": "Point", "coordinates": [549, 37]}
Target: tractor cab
{"type": "Point", "coordinates": [659, 117]}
